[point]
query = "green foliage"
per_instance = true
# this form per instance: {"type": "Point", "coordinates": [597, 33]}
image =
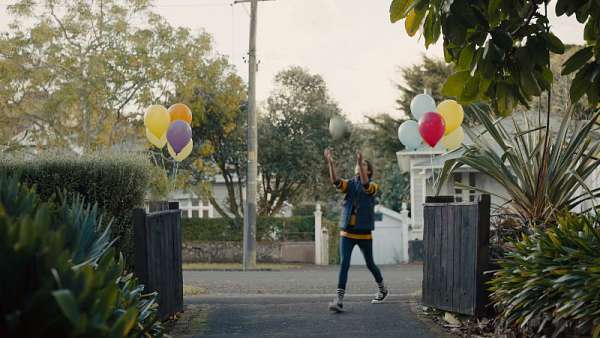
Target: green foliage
{"type": "Point", "coordinates": [62, 278]}
{"type": "Point", "coordinates": [217, 98]}
{"type": "Point", "coordinates": [115, 182]}
{"type": "Point", "coordinates": [334, 240]}
{"type": "Point", "coordinates": [551, 280]}
{"type": "Point", "coordinates": [267, 229]}
{"type": "Point", "coordinates": [501, 49]}
{"type": "Point", "coordinates": [539, 181]}
{"type": "Point", "coordinates": [395, 187]}
{"type": "Point", "coordinates": [293, 133]}
{"type": "Point", "coordinates": [429, 74]}
{"type": "Point", "coordinates": [304, 210]}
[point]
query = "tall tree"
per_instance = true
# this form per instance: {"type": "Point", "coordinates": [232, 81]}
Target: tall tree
{"type": "Point", "coordinates": [501, 49]}
{"type": "Point", "coordinates": [430, 74]}
{"type": "Point", "coordinates": [217, 97]}
{"type": "Point", "coordinates": [293, 132]}
{"type": "Point", "coordinates": [78, 73]}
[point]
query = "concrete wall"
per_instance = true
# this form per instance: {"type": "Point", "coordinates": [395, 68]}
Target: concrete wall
{"type": "Point", "coordinates": [231, 252]}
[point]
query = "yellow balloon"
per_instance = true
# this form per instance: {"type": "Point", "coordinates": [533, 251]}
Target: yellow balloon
{"type": "Point", "coordinates": [183, 154]}
{"type": "Point", "coordinates": [157, 120]}
{"type": "Point", "coordinates": [454, 139]}
{"type": "Point", "coordinates": [157, 142]}
{"type": "Point", "coordinates": [453, 114]}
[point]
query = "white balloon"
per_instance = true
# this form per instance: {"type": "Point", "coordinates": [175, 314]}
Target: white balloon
{"type": "Point", "coordinates": [422, 104]}
{"type": "Point", "coordinates": [338, 128]}
{"type": "Point", "coordinates": [408, 133]}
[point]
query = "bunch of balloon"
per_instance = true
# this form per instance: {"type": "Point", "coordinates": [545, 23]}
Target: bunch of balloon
{"type": "Point", "coordinates": [437, 125]}
{"type": "Point", "coordinates": [171, 127]}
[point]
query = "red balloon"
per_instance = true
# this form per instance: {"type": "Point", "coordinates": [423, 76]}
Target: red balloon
{"type": "Point", "coordinates": [431, 128]}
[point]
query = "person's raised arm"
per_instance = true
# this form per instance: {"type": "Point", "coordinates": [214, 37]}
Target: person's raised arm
{"type": "Point", "coordinates": [364, 176]}
{"type": "Point", "coordinates": [330, 165]}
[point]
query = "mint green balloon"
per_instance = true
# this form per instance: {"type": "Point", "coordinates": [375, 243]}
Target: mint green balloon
{"type": "Point", "coordinates": [422, 104]}
{"type": "Point", "coordinates": [409, 136]}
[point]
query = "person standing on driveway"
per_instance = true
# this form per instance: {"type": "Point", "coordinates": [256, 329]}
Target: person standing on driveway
{"type": "Point", "coordinates": [356, 224]}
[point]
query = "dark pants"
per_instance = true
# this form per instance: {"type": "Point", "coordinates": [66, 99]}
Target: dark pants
{"type": "Point", "coordinates": [366, 246]}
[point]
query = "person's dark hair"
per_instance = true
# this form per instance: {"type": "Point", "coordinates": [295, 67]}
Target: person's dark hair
{"type": "Point", "coordinates": [369, 168]}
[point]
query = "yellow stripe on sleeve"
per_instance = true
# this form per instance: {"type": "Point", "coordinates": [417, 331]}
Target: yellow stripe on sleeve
{"type": "Point", "coordinates": [372, 188]}
{"type": "Point", "coordinates": [342, 186]}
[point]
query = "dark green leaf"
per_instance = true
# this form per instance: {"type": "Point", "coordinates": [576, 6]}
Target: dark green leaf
{"type": "Point", "coordinates": [562, 7]}
{"type": "Point", "coordinates": [581, 83]}
{"type": "Point", "coordinates": [493, 15]}
{"type": "Point", "coordinates": [556, 46]}
{"type": "Point", "coordinates": [431, 29]}
{"type": "Point", "coordinates": [529, 84]}
{"type": "Point", "coordinates": [577, 60]}
{"type": "Point", "coordinates": [454, 30]}
{"type": "Point", "coordinates": [470, 91]}
{"type": "Point", "coordinates": [502, 39]}
{"type": "Point", "coordinates": [466, 57]}
{"type": "Point", "coordinates": [68, 305]}
{"type": "Point", "coordinates": [455, 83]}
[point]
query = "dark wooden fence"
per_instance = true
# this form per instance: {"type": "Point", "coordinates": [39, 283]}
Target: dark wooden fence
{"type": "Point", "coordinates": [157, 237]}
{"type": "Point", "coordinates": [456, 239]}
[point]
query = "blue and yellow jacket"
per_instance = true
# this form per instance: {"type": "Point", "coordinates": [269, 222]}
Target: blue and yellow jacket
{"type": "Point", "coordinates": [358, 208]}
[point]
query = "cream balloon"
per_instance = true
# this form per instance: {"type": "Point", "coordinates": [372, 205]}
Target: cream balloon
{"type": "Point", "coordinates": [157, 142]}
{"type": "Point", "coordinates": [454, 139]}
{"type": "Point", "coordinates": [453, 114]}
{"type": "Point", "coordinates": [183, 154]}
{"type": "Point", "coordinates": [157, 120]}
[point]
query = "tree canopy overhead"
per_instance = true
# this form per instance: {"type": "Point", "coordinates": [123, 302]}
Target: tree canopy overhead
{"type": "Point", "coordinates": [79, 73]}
{"type": "Point", "coordinates": [501, 48]}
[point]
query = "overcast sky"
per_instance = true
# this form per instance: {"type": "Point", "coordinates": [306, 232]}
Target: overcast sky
{"type": "Point", "coordinates": [351, 43]}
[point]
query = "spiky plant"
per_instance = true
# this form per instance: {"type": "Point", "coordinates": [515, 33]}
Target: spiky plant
{"type": "Point", "coordinates": [542, 177]}
{"type": "Point", "coordinates": [60, 275]}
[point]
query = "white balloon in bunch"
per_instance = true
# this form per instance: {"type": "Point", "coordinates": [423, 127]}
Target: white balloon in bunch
{"type": "Point", "coordinates": [408, 134]}
{"type": "Point", "coordinates": [422, 104]}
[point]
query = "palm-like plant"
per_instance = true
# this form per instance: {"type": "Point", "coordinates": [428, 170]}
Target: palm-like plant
{"type": "Point", "coordinates": [543, 173]}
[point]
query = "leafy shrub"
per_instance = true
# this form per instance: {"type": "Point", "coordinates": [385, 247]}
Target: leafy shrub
{"type": "Point", "coordinates": [115, 182]}
{"type": "Point", "coordinates": [267, 228]}
{"type": "Point", "coordinates": [334, 240]}
{"type": "Point", "coordinates": [552, 277]}
{"type": "Point", "coordinates": [61, 276]}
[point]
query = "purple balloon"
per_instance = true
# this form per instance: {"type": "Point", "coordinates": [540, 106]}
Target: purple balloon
{"type": "Point", "coordinates": [179, 135]}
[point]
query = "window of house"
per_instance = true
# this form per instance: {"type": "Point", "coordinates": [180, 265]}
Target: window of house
{"type": "Point", "coordinates": [184, 214]}
{"type": "Point", "coordinates": [195, 202]}
{"type": "Point", "coordinates": [461, 194]}
{"type": "Point", "coordinates": [195, 213]}
{"type": "Point", "coordinates": [204, 213]}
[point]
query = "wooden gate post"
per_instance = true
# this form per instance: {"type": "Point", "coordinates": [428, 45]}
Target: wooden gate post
{"type": "Point", "coordinates": [456, 237]}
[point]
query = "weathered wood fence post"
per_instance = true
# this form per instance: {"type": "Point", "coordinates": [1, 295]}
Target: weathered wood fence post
{"type": "Point", "coordinates": [456, 237]}
{"type": "Point", "coordinates": [157, 239]}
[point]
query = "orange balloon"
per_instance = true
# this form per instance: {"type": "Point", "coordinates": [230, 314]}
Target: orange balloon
{"type": "Point", "coordinates": [180, 111]}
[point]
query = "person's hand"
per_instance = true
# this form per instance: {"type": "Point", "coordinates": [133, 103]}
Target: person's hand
{"type": "Point", "coordinates": [328, 155]}
{"type": "Point", "coordinates": [359, 158]}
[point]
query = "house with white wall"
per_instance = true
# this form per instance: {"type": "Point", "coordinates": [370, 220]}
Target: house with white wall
{"type": "Point", "coordinates": [424, 167]}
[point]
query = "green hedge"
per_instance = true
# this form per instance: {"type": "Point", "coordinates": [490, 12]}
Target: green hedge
{"type": "Point", "coordinates": [334, 240]}
{"type": "Point", "coordinates": [116, 182]}
{"type": "Point", "coordinates": [267, 228]}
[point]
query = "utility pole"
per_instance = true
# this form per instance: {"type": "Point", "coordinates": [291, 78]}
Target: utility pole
{"type": "Point", "coordinates": [249, 260]}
